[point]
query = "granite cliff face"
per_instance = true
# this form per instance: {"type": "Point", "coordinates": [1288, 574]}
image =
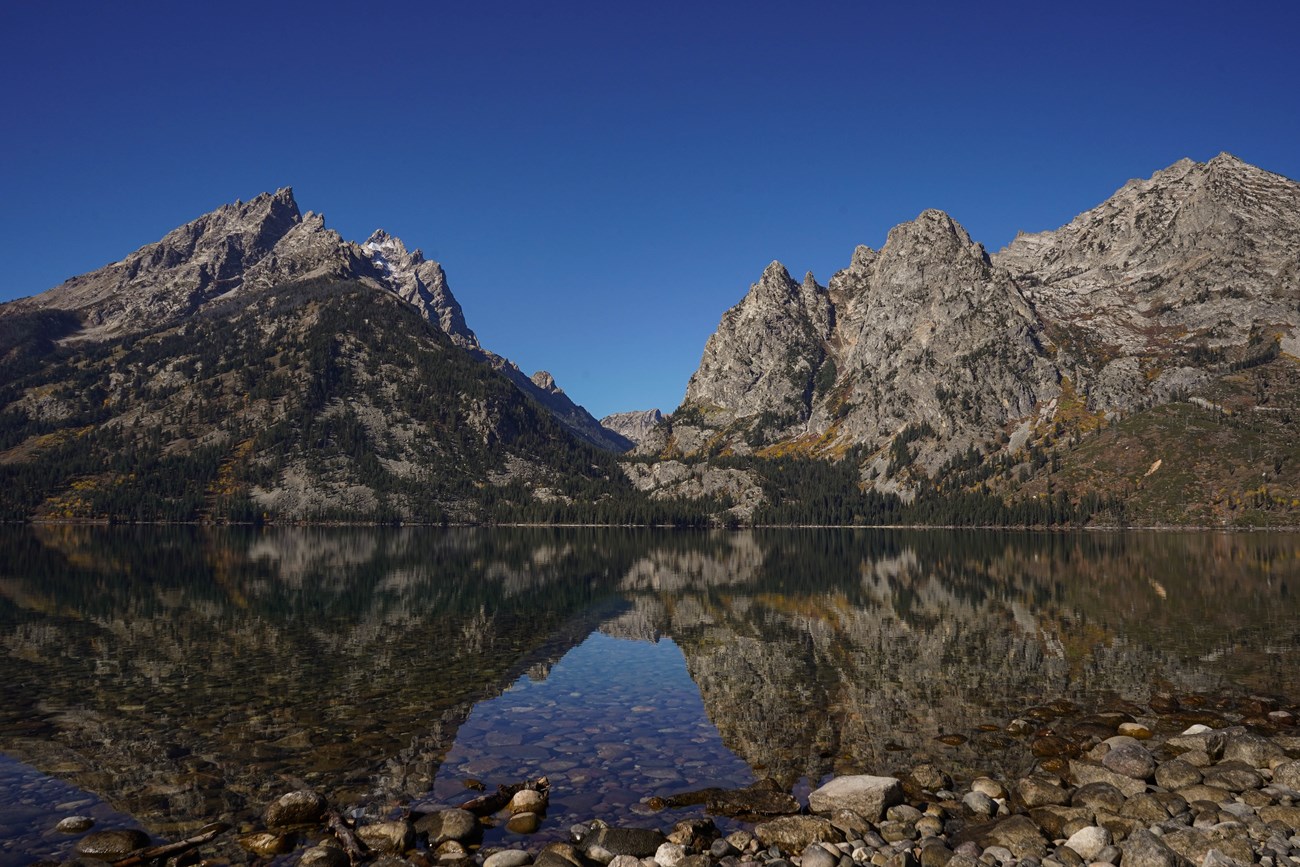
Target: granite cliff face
{"type": "Point", "coordinates": [632, 425]}
{"type": "Point", "coordinates": [929, 350]}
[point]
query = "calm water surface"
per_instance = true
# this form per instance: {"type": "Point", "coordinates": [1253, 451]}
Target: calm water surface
{"type": "Point", "coordinates": [169, 677]}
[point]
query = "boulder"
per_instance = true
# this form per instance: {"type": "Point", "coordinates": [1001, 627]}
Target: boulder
{"type": "Point", "coordinates": [866, 795]}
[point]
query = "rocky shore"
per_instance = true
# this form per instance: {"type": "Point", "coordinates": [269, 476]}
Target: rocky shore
{"type": "Point", "coordinates": [1108, 789]}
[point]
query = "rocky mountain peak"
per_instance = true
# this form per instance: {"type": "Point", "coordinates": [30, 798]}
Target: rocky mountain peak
{"type": "Point", "coordinates": [419, 282]}
{"type": "Point", "coordinates": [546, 382]}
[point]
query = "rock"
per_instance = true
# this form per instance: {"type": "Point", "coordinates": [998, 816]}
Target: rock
{"type": "Point", "coordinates": [1088, 842]}
{"type": "Point", "coordinates": [527, 801]}
{"type": "Point", "coordinates": [1039, 791]}
{"type": "Point", "coordinates": [866, 795]}
{"type": "Point", "coordinates": [1145, 807]}
{"type": "Point", "coordinates": [1234, 776]}
{"type": "Point", "coordinates": [670, 854]}
{"type": "Point", "coordinates": [266, 843]}
{"type": "Point", "coordinates": [390, 837]}
{"type": "Point", "coordinates": [980, 804]}
{"type": "Point", "coordinates": [74, 824]}
{"type": "Point", "coordinates": [1287, 774]}
{"type": "Point", "coordinates": [112, 843]}
{"type": "Point", "coordinates": [1060, 822]}
{"type": "Point", "coordinates": [928, 778]}
{"type": "Point", "coordinates": [460, 825]}
{"type": "Point", "coordinates": [565, 855]}
{"type": "Point", "coordinates": [987, 786]}
{"type": "Point", "coordinates": [303, 807]}
{"type": "Point", "coordinates": [1017, 833]}
{"type": "Point", "coordinates": [640, 842]}
{"type": "Point", "coordinates": [324, 856]}
{"type": "Point", "coordinates": [1195, 843]}
{"type": "Point", "coordinates": [1131, 760]}
{"type": "Point", "coordinates": [1144, 849]}
{"type": "Point", "coordinates": [1098, 796]}
{"type": "Point", "coordinates": [1256, 751]}
{"type": "Point", "coordinates": [850, 823]}
{"type": "Point", "coordinates": [1135, 730]}
{"type": "Point", "coordinates": [1176, 774]}
{"type": "Point", "coordinates": [795, 833]}
{"type": "Point", "coordinates": [694, 834]}
{"type": "Point", "coordinates": [625, 861]}
{"type": "Point", "coordinates": [1286, 815]}
{"type": "Point", "coordinates": [1215, 858]}
{"type": "Point", "coordinates": [508, 858]}
{"type": "Point", "coordinates": [524, 823]}
{"type": "Point", "coordinates": [816, 855]}
{"type": "Point", "coordinates": [1086, 772]}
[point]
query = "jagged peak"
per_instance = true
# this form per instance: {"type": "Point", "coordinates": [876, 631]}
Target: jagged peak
{"type": "Point", "coordinates": [933, 229]}
{"type": "Point", "coordinates": [810, 282]}
{"type": "Point", "coordinates": [546, 382]}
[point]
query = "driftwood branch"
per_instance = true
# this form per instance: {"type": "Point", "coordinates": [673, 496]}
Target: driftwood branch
{"type": "Point", "coordinates": [206, 834]}
{"type": "Point", "coordinates": [486, 805]}
{"type": "Point", "coordinates": [356, 849]}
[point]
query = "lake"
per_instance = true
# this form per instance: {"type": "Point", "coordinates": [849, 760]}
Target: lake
{"type": "Point", "coordinates": [167, 677]}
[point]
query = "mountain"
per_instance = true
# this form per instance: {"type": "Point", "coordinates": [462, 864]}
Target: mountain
{"type": "Point", "coordinates": [632, 425]}
{"type": "Point", "coordinates": [252, 364]}
{"type": "Point", "coordinates": [243, 247]}
{"type": "Point", "coordinates": [934, 366]}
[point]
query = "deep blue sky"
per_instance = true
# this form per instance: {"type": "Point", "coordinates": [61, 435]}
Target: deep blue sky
{"type": "Point", "coordinates": [602, 180]}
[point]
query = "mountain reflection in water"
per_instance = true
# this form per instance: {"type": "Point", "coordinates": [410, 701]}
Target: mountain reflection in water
{"type": "Point", "coordinates": [188, 674]}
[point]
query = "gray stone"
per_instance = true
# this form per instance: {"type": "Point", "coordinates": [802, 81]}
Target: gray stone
{"type": "Point", "coordinates": [74, 824]}
{"type": "Point", "coordinates": [513, 858]}
{"type": "Point", "coordinates": [670, 854]}
{"type": "Point", "coordinates": [1177, 774]}
{"type": "Point", "coordinates": [1098, 796]}
{"type": "Point", "coordinates": [641, 842]}
{"type": "Point", "coordinates": [980, 804]}
{"type": "Point", "coordinates": [1234, 776]}
{"type": "Point", "coordinates": [1041, 791]}
{"type": "Point", "coordinates": [850, 823]}
{"type": "Point", "coordinates": [391, 837]}
{"type": "Point", "coordinates": [444, 825]}
{"type": "Point", "coordinates": [1145, 807]}
{"type": "Point", "coordinates": [1256, 751]}
{"type": "Point", "coordinates": [1088, 842]}
{"type": "Point", "coordinates": [112, 843]}
{"type": "Point", "coordinates": [816, 855]}
{"type": "Point", "coordinates": [866, 795]}
{"type": "Point", "coordinates": [324, 856]}
{"type": "Point", "coordinates": [524, 823]}
{"type": "Point", "coordinates": [1019, 834]}
{"type": "Point", "coordinates": [1131, 759]}
{"type": "Point", "coordinates": [1086, 772]}
{"type": "Point", "coordinates": [794, 833]}
{"type": "Point", "coordinates": [1144, 849]}
{"type": "Point", "coordinates": [303, 807]}
{"type": "Point", "coordinates": [1287, 774]}
{"type": "Point", "coordinates": [1195, 843]}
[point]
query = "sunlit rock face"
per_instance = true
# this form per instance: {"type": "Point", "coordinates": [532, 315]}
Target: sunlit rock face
{"type": "Point", "coordinates": [1143, 299]}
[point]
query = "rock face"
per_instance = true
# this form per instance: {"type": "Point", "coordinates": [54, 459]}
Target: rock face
{"type": "Point", "coordinates": [634, 426]}
{"type": "Point", "coordinates": [933, 347]}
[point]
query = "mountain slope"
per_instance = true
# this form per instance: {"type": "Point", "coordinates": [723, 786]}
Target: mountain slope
{"type": "Point", "coordinates": [939, 369]}
{"type": "Point", "coordinates": [244, 247]}
{"type": "Point", "coordinates": [318, 399]}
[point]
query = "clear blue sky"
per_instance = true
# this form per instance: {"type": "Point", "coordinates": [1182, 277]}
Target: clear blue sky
{"type": "Point", "coordinates": [602, 180]}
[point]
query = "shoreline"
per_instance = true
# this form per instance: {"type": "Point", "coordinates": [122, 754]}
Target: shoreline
{"type": "Point", "coordinates": [1122, 785]}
